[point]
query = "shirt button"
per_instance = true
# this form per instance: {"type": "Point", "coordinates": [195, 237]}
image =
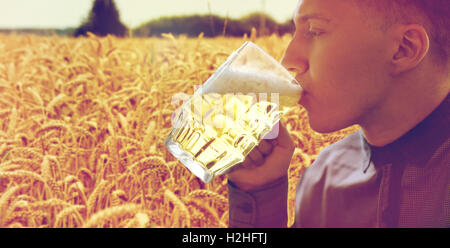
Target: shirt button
{"type": "Point", "coordinates": [246, 207]}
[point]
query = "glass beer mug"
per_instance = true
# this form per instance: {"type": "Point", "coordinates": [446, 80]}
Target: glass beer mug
{"type": "Point", "coordinates": [232, 112]}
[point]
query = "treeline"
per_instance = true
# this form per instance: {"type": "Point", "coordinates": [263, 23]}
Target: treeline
{"type": "Point", "coordinates": [193, 25]}
{"type": "Point", "coordinates": [212, 25]}
{"type": "Point", "coordinates": [39, 31]}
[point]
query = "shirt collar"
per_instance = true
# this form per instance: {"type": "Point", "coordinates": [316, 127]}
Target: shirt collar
{"type": "Point", "coordinates": [417, 145]}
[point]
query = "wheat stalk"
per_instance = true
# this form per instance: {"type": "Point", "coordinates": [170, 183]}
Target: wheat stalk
{"type": "Point", "coordinates": [21, 174]}
{"type": "Point", "coordinates": [140, 220]}
{"type": "Point", "coordinates": [26, 152]}
{"type": "Point", "coordinates": [207, 214]}
{"type": "Point", "coordinates": [69, 212]}
{"type": "Point", "coordinates": [99, 218]}
{"type": "Point", "coordinates": [53, 202]}
{"type": "Point", "coordinates": [169, 196]}
{"type": "Point", "coordinates": [118, 197]}
{"type": "Point", "coordinates": [5, 197]}
{"type": "Point", "coordinates": [27, 164]}
{"type": "Point", "coordinates": [96, 196]}
{"type": "Point", "coordinates": [202, 194]}
{"type": "Point", "coordinates": [53, 125]}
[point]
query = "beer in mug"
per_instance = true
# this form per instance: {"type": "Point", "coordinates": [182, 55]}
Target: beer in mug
{"type": "Point", "coordinates": [232, 112]}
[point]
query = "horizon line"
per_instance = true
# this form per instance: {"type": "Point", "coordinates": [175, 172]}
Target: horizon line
{"type": "Point", "coordinates": [153, 19]}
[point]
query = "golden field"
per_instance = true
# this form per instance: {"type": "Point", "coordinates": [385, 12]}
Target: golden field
{"type": "Point", "coordinates": [83, 122]}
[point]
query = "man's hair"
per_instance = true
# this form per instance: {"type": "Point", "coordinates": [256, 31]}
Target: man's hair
{"type": "Point", "coordinates": [433, 15]}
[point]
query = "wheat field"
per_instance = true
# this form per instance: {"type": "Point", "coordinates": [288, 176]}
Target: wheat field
{"type": "Point", "coordinates": [83, 122]}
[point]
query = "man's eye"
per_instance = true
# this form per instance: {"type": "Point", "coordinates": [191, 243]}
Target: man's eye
{"type": "Point", "coordinates": [314, 33]}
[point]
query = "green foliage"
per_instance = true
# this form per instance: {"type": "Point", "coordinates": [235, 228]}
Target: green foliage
{"type": "Point", "coordinates": [39, 31]}
{"type": "Point", "coordinates": [212, 25]}
{"type": "Point", "coordinates": [103, 20]}
{"type": "Point", "coordinates": [106, 21]}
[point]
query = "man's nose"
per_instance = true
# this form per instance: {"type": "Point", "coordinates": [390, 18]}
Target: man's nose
{"type": "Point", "coordinates": [293, 59]}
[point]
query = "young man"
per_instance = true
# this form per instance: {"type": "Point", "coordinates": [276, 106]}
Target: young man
{"type": "Point", "coordinates": [381, 64]}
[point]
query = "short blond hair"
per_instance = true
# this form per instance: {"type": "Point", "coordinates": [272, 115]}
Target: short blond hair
{"type": "Point", "coordinates": [433, 15]}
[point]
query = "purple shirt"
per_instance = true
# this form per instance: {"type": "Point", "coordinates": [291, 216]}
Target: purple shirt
{"type": "Point", "coordinates": [354, 184]}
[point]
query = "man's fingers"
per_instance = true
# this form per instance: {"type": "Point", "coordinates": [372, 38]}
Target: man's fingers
{"type": "Point", "coordinates": [246, 164]}
{"type": "Point", "coordinates": [256, 157]}
{"type": "Point", "coordinates": [265, 147]}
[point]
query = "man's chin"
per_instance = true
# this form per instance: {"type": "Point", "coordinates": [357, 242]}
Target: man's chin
{"type": "Point", "coordinates": [324, 126]}
{"type": "Point", "coordinates": [323, 130]}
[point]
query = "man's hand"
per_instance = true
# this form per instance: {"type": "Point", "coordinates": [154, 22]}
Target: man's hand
{"type": "Point", "coordinates": [267, 162]}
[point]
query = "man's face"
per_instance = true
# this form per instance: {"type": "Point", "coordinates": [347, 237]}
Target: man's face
{"type": "Point", "coordinates": [341, 62]}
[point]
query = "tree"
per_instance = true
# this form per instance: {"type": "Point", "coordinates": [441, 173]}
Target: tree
{"type": "Point", "coordinates": [103, 20]}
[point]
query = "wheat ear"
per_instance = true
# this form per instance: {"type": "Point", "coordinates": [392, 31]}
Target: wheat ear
{"type": "Point", "coordinates": [115, 212]}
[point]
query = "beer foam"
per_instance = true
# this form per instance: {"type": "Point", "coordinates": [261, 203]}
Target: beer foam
{"type": "Point", "coordinates": [248, 81]}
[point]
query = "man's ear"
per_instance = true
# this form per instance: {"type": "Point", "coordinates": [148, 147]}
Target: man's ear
{"type": "Point", "coordinates": [411, 47]}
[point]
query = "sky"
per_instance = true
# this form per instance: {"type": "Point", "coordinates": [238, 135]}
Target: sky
{"type": "Point", "coordinates": [70, 13]}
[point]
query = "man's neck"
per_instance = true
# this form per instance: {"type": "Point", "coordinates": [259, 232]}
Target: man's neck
{"type": "Point", "coordinates": [398, 115]}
